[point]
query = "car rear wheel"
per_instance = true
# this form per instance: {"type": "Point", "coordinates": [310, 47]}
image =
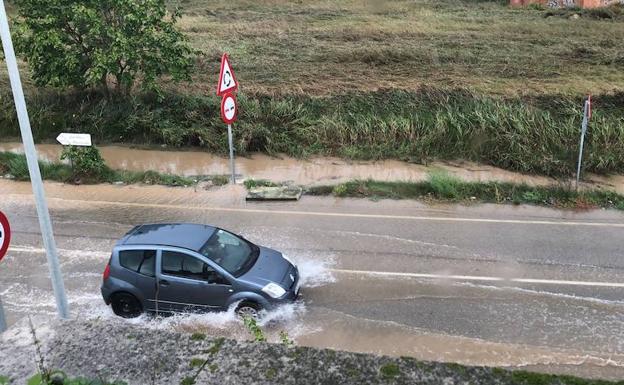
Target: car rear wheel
{"type": "Point", "coordinates": [248, 309]}
{"type": "Point", "coordinates": [126, 305]}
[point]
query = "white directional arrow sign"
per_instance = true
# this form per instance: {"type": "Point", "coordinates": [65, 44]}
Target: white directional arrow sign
{"type": "Point", "coordinates": [69, 139]}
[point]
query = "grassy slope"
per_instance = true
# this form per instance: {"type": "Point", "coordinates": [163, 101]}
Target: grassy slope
{"type": "Point", "coordinates": [408, 79]}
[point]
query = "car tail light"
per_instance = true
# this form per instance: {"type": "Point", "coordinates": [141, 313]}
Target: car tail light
{"type": "Point", "coordinates": [106, 273]}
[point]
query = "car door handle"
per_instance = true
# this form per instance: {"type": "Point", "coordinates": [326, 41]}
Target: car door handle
{"type": "Point", "coordinates": [163, 282]}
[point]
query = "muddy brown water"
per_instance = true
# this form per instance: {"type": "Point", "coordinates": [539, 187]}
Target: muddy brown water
{"type": "Point", "coordinates": [89, 218]}
{"type": "Point", "coordinates": [315, 170]}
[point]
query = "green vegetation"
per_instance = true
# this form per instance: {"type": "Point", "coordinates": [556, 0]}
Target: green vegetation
{"type": "Point", "coordinates": [252, 326]}
{"type": "Point", "coordinates": [271, 373]}
{"type": "Point", "coordinates": [16, 166]}
{"type": "Point", "coordinates": [251, 183]}
{"type": "Point", "coordinates": [196, 362]}
{"type": "Point", "coordinates": [389, 371]}
{"type": "Point", "coordinates": [444, 187]}
{"type": "Point", "coordinates": [198, 336]}
{"type": "Point", "coordinates": [199, 363]}
{"type": "Point", "coordinates": [540, 136]}
{"type": "Point", "coordinates": [93, 43]}
{"type": "Point", "coordinates": [285, 339]}
{"type": "Point", "coordinates": [418, 80]}
{"type": "Point", "coordinates": [4, 380]}
{"type": "Point", "coordinates": [60, 378]}
{"type": "Point", "coordinates": [85, 161]}
{"type": "Point", "coordinates": [530, 378]}
{"type": "Point", "coordinates": [218, 343]}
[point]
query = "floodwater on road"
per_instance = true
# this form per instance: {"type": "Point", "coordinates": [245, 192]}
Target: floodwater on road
{"type": "Point", "coordinates": [339, 246]}
{"type": "Point", "coordinates": [315, 170]}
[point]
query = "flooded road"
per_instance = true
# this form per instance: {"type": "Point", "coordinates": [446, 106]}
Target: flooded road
{"type": "Point", "coordinates": [485, 285]}
{"type": "Point", "coordinates": [317, 170]}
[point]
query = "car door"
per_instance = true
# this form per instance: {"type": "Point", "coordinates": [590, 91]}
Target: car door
{"type": "Point", "coordinates": [141, 272]}
{"type": "Point", "coordinates": [188, 283]}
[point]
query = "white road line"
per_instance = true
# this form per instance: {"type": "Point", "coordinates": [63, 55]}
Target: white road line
{"type": "Point", "coordinates": [473, 278]}
{"type": "Point", "coordinates": [38, 250]}
{"type": "Point", "coordinates": [348, 215]}
{"type": "Point", "coordinates": [480, 279]}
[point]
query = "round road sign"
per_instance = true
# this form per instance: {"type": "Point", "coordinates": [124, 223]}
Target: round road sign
{"type": "Point", "coordinates": [5, 235]}
{"type": "Point", "coordinates": [228, 108]}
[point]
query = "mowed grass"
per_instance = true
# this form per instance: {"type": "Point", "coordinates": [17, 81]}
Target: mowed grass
{"type": "Point", "coordinates": [324, 47]}
{"type": "Point", "coordinates": [321, 47]}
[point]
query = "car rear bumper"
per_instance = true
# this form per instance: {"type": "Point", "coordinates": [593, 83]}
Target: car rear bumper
{"type": "Point", "coordinates": [106, 294]}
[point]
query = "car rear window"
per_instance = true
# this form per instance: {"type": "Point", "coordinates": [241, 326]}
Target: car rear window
{"type": "Point", "coordinates": [140, 261]}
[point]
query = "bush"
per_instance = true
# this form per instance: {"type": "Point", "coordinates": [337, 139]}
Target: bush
{"type": "Point", "coordinates": [86, 162]}
{"type": "Point", "coordinates": [445, 185]}
{"type": "Point", "coordinates": [87, 43]}
{"type": "Point", "coordinates": [18, 167]}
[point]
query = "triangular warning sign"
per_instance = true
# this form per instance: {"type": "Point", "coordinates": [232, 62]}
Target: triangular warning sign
{"type": "Point", "coordinates": [227, 79]}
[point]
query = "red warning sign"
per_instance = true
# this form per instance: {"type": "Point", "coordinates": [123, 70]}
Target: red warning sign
{"type": "Point", "coordinates": [5, 235]}
{"type": "Point", "coordinates": [227, 79]}
{"type": "Point", "coordinates": [228, 109]}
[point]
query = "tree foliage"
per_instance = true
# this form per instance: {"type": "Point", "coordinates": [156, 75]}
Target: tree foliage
{"type": "Point", "coordinates": [108, 44]}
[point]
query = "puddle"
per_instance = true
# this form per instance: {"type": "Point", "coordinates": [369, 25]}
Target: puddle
{"type": "Point", "coordinates": [306, 172]}
{"type": "Point", "coordinates": [388, 338]}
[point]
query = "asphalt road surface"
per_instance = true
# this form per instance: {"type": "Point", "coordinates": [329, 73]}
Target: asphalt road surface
{"type": "Point", "coordinates": [485, 284]}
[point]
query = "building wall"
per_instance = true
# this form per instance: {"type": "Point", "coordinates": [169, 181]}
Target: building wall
{"type": "Point", "coordinates": [567, 3]}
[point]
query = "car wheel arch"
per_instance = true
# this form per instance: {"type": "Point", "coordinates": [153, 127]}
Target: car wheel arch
{"type": "Point", "coordinates": [240, 298]}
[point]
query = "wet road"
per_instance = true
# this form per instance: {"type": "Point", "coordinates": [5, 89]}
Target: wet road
{"type": "Point", "coordinates": [492, 285]}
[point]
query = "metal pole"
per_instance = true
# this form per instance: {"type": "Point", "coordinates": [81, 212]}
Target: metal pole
{"type": "Point", "coordinates": [3, 324]}
{"type": "Point", "coordinates": [231, 154]}
{"type": "Point", "coordinates": [583, 131]}
{"type": "Point", "coordinates": [33, 167]}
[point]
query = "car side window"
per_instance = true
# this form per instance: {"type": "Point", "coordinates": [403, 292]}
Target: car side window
{"type": "Point", "coordinates": [140, 261]}
{"type": "Point", "coordinates": [148, 266]}
{"type": "Point", "coordinates": [186, 266]}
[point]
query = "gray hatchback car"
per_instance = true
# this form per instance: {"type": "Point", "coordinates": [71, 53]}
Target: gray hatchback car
{"type": "Point", "coordinates": [179, 267]}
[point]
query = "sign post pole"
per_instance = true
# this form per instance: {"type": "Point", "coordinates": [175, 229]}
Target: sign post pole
{"type": "Point", "coordinates": [33, 167]}
{"type": "Point", "coordinates": [586, 116]}
{"type": "Point", "coordinates": [3, 323]}
{"type": "Point", "coordinates": [226, 87]}
{"type": "Point", "coordinates": [230, 141]}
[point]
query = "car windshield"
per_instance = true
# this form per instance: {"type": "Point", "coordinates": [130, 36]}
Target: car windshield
{"type": "Point", "coordinates": [234, 254]}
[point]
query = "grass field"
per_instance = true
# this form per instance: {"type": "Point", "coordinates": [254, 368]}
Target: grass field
{"type": "Point", "coordinates": [327, 47]}
{"type": "Point", "coordinates": [415, 80]}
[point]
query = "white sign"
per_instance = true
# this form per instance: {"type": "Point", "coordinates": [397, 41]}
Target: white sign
{"type": "Point", "coordinates": [227, 79]}
{"type": "Point", "coordinates": [228, 109]}
{"type": "Point", "coordinates": [68, 139]}
{"type": "Point", "coordinates": [3, 237]}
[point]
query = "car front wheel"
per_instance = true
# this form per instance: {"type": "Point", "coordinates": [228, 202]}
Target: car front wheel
{"type": "Point", "coordinates": [248, 309]}
{"type": "Point", "coordinates": [126, 305]}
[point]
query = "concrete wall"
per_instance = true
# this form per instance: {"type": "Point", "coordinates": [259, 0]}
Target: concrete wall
{"type": "Point", "coordinates": [566, 3]}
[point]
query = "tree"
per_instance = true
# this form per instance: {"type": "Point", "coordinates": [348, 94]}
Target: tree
{"type": "Point", "coordinates": [107, 44]}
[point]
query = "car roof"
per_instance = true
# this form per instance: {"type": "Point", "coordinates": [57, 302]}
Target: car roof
{"type": "Point", "coordinates": [184, 235]}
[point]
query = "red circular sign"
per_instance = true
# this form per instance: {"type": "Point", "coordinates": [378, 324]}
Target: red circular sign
{"type": "Point", "coordinates": [5, 235]}
{"type": "Point", "coordinates": [229, 109]}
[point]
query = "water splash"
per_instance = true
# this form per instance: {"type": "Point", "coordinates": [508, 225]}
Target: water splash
{"type": "Point", "coordinates": [313, 272]}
